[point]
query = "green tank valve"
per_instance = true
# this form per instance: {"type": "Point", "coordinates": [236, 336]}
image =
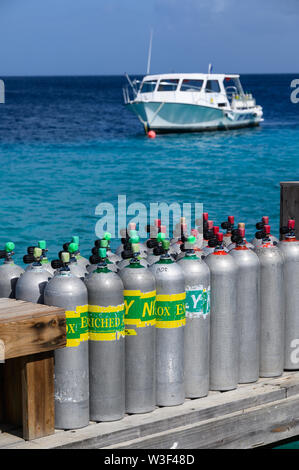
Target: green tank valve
{"type": "Point", "coordinates": [133, 233]}
{"type": "Point", "coordinates": [102, 253]}
{"type": "Point", "coordinates": [191, 239]}
{"type": "Point", "coordinates": [161, 236]}
{"type": "Point", "coordinates": [134, 240]}
{"type": "Point", "coordinates": [65, 257]}
{"type": "Point", "coordinates": [165, 243]}
{"type": "Point", "coordinates": [9, 246]}
{"type": "Point", "coordinates": [37, 252]}
{"type": "Point", "coordinates": [135, 247]}
{"type": "Point", "coordinates": [42, 244]}
{"type": "Point", "coordinates": [107, 236]}
{"type": "Point", "coordinates": [73, 247]}
{"type": "Point", "coordinates": [104, 244]}
{"type": "Point", "coordinates": [76, 239]}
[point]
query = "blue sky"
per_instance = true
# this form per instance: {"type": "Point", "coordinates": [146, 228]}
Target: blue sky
{"type": "Point", "coordinates": [95, 37]}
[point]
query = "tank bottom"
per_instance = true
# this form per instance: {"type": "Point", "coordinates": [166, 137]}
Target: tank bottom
{"type": "Point", "coordinates": [197, 390]}
{"type": "Point", "coordinates": [223, 388]}
{"type": "Point", "coordinates": [71, 416]}
{"type": "Point", "coordinates": [248, 380]}
{"type": "Point", "coordinates": [271, 374]}
{"type": "Point", "coordinates": [172, 396]}
{"type": "Point", "coordinates": [136, 411]}
{"type": "Point", "coordinates": [106, 418]}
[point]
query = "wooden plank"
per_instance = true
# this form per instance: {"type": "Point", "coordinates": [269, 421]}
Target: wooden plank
{"type": "Point", "coordinates": [34, 335]}
{"type": "Point", "coordinates": [38, 395]}
{"type": "Point", "coordinates": [12, 393]}
{"type": "Point", "coordinates": [16, 311]}
{"type": "Point", "coordinates": [289, 203]}
{"type": "Point", "coordinates": [245, 429]}
{"type": "Point", "coordinates": [162, 419]}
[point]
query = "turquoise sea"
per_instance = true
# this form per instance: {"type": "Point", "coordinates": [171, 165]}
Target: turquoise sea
{"type": "Point", "coordinates": [68, 143]}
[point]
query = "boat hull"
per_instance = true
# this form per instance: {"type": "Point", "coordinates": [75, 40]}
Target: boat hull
{"type": "Point", "coordinates": [180, 117]}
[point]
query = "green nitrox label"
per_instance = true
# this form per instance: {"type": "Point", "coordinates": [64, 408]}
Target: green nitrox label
{"type": "Point", "coordinates": [170, 310]}
{"type": "Point", "coordinates": [139, 308]}
{"type": "Point", "coordinates": [76, 325]}
{"type": "Point", "coordinates": [106, 323]}
{"type": "Point", "coordinates": [197, 301]}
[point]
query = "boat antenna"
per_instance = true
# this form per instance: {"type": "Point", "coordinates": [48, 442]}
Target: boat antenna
{"type": "Point", "coordinates": [210, 69]}
{"type": "Point", "coordinates": [149, 54]}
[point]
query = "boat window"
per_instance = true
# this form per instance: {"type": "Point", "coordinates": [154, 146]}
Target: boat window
{"type": "Point", "coordinates": [212, 86]}
{"type": "Point", "coordinates": [148, 87]}
{"type": "Point", "coordinates": [191, 85]}
{"type": "Point", "coordinates": [168, 85]}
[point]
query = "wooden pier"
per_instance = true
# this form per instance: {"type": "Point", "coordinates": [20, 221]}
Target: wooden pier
{"type": "Point", "coordinates": [251, 416]}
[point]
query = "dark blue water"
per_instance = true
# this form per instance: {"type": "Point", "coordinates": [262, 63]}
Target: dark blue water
{"type": "Point", "coordinates": [67, 144]}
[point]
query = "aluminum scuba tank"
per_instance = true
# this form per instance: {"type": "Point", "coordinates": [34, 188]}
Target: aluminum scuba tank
{"type": "Point", "coordinates": [272, 315]}
{"type": "Point", "coordinates": [235, 235]}
{"type": "Point", "coordinates": [9, 272]}
{"type": "Point", "coordinates": [224, 349]}
{"type": "Point", "coordinates": [170, 324]}
{"type": "Point", "coordinates": [44, 259]}
{"type": "Point", "coordinates": [94, 259]}
{"type": "Point", "coordinates": [197, 329]}
{"type": "Point", "coordinates": [80, 259]}
{"type": "Point", "coordinates": [228, 226]}
{"type": "Point", "coordinates": [71, 363]}
{"type": "Point", "coordinates": [31, 284]}
{"type": "Point", "coordinates": [289, 248]}
{"type": "Point", "coordinates": [260, 226]}
{"type": "Point", "coordinates": [248, 305]}
{"type": "Point", "coordinates": [140, 341]}
{"type": "Point", "coordinates": [106, 342]}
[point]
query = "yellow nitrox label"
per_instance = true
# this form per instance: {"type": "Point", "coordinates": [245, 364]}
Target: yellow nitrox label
{"type": "Point", "coordinates": [76, 325]}
{"type": "Point", "coordinates": [171, 310]}
{"type": "Point", "coordinates": [106, 323]}
{"type": "Point", "coordinates": [139, 309]}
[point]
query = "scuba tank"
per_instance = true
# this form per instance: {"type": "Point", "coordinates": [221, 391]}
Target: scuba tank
{"type": "Point", "coordinates": [197, 329]}
{"type": "Point", "coordinates": [44, 259]}
{"type": "Point", "coordinates": [272, 315]}
{"type": "Point", "coordinates": [71, 363]}
{"type": "Point", "coordinates": [94, 259]}
{"type": "Point", "coordinates": [260, 226]}
{"type": "Point", "coordinates": [248, 308]}
{"type": "Point", "coordinates": [125, 242]}
{"type": "Point", "coordinates": [140, 296]}
{"type": "Point", "coordinates": [106, 342]}
{"type": "Point", "coordinates": [235, 236]}
{"type": "Point", "coordinates": [9, 272]}
{"type": "Point", "coordinates": [228, 226]}
{"type": "Point", "coordinates": [76, 268]}
{"type": "Point", "coordinates": [127, 254]}
{"type": "Point", "coordinates": [224, 349]}
{"type": "Point", "coordinates": [170, 321]}
{"type": "Point", "coordinates": [83, 262]}
{"type": "Point", "coordinates": [31, 284]}
{"type": "Point", "coordinates": [289, 248]}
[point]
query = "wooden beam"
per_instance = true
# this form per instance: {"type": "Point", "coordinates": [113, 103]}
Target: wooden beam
{"type": "Point", "coordinates": [37, 379]}
{"type": "Point", "coordinates": [27, 328]}
{"type": "Point", "coordinates": [289, 203]}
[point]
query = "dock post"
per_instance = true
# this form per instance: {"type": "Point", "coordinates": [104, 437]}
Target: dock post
{"type": "Point", "coordinates": [289, 203]}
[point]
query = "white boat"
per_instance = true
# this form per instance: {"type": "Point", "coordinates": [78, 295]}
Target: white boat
{"type": "Point", "coordinates": [191, 102]}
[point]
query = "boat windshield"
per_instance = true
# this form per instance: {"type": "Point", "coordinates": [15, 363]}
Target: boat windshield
{"type": "Point", "coordinates": [168, 85]}
{"type": "Point", "coordinates": [148, 87]}
{"type": "Point", "coordinates": [233, 86]}
{"type": "Point", "coordinates": [191, 85]}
